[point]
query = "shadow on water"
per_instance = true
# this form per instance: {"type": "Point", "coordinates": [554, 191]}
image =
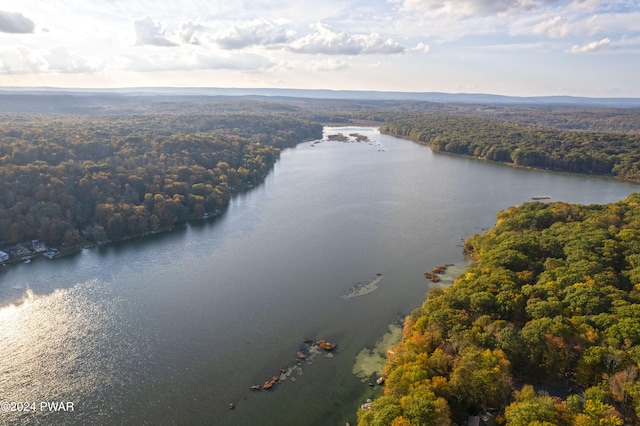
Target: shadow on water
{"type": "Point", "coordinates": [45, 275]}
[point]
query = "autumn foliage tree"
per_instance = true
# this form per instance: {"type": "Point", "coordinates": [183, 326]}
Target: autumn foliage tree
{"type": "Point", "coordinates": [552, 299]}
{"type": "Point", "coordinates": [126, 175]}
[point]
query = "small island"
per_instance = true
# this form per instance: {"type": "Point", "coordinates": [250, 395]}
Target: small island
{"type": "Point", "coordinates": [339, 137]}
{"type": "Point", "coordinates": [353, 137]}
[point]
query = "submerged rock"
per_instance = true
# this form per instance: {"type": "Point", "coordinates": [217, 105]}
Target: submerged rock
{"type": "Point", "coordinates": [362, 289]}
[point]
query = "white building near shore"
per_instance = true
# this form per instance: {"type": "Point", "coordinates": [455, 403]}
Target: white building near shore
{"type": "Point", "coordinates": [3, 256]}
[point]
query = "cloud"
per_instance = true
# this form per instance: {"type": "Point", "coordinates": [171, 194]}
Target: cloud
{"type": "Point", "coordinates": [472, 7]}
{"type": "Point", "coordinates": [150, 33]}
{"type": "Point", "coordinates": [331, 65]}
{"type": "Point", "coordinates": [327, 65]}
{"type": "Point", "coordinates": [516, 47]}
{"type": "Point", "coordinates": [627, 41]}
{"type": "Point", "coordinates": [554, 27]}
{"type": "Point", "coordinates": [323, 40]}
{"type": "Point", "coordinates": [60, 60]}
{"type": "Point", "coordinates": [20, 60]}
{"type": "Point", "coordinates": [200, 60]}
{"type": "Point", "coordinates": [330, 42]}
{"type": "Point", "coordinates": [255, 33]}
{"type": "Point", "coordinates": [420, 48]}
{"type": "Point", "coordinates": [574, 21]}
{"type": "Point", "coordinates": [453, 19]}
{"type": "Point", "coordinates": [17, 23]}
{"type": "Point", "coordinates": [188, 32]}
{"type": "Point", "coordinates": [603, 44]}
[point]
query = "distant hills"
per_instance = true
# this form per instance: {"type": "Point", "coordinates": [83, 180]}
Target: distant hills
{"type": "Point", "coordinates": [473, 98]}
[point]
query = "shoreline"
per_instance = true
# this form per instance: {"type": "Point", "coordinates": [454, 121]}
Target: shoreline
{"type": "Point", "coordinates": [511, 164]}
{"type": "Point", "coordinates": [88, 243]}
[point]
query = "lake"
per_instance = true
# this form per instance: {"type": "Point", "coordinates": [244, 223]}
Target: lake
{"type": "Point", "coordinates": [173, 328]}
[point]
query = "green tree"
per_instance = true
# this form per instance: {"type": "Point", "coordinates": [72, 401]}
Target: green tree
{"type": "Point", "coordinates": [531, 408]}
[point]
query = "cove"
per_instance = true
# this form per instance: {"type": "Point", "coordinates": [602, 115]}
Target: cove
{"type": "Point", "coordinates": [172, 329]}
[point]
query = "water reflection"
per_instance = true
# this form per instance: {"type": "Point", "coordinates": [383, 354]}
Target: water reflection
{"type": "Point", "coordinates": [60, 347]}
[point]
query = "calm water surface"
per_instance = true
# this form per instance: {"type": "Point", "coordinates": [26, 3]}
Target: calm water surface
{"type": "Point", "coordinates": [171, 329]}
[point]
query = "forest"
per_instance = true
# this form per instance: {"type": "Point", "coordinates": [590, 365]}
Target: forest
{"type": "Point", "coordinates": [108, 177]}
{"type": "Point", "coordinates": [542, 329]}
{"type": "Point", "coordinates": [108, 166]}
{"type": "Point", "coordinates": [614, 151]}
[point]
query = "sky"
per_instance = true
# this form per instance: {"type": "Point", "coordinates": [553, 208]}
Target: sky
{"type": "Point", "coordinates": [509, 47]}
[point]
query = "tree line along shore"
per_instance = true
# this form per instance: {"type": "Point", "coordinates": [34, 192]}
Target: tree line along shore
{"type": "Point", "coordinates": [543, 328]}
{"type": "Point", "coordinates": [69, 181]}
{"type": "Point", "coordinates": [603, 153]}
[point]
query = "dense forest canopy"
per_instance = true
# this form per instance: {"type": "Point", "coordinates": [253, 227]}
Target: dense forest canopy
{"type": "Point", "coordinates": [126, 175]}
{"type": "Point", "coordinates": [574, 116]}
{"type": "Point", "coordinates": [615, 152]}
{"type": "Point", "coordinates": [551, 303]}
{"type": "Point", "coordinates": [116, 166]}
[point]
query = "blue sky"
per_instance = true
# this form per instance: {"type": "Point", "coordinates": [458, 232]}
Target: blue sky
{"type": "Point", "coordinates": [510, 47]}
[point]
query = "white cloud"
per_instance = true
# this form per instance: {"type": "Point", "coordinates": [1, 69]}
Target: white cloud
{"type": "Point", "coordinates": [16, 23]}
{"type": "Point", "coordinates": [60, 60]}
{"type": "Point", "coordinates": [327, 65]}
{"type": "Point", "coordinates": [516, 47]}
{"type": "Point", "coordinates": [554, 27]}
{"type": "Point", "coordinates": [242, 62]}
{"type": "Point", "coordinates": [472, 7]}
{"type": "Point", "coordinates": [614, 22]}
{"type": "Point", "coordinates": [420, 48]}
{"type": "Point", "coordinates": [188, 32]}
{"type": "Point", "coordinates": [195, 60]}
{"type": "Point", "coordinates": [603, 44]}
{"type": "Point", "coordinates": [626, 41]}
{"type": "Point", "coordinates": [255, 33]}
{"type": "Point", "coordinates": [330, 42]}
{"type": "Point", "coordinates": [323, 40]}
{"type": "Point", "coordinates": [21, 60]}
{"type": "Point", "coordinates": [450, 20]}
{"type": "Point", "coordinates": [331, 65]}
{"type": "Point", "coordinates": [150, 33]}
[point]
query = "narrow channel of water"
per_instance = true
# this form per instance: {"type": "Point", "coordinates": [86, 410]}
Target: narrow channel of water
{"type": "Point", "coordinates": [174, 328]}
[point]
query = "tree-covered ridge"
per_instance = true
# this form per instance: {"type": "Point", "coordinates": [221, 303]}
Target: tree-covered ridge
{"type": "Point", "coordinates": [120, 176]}
{"type": "Point", "coordinates": [616, 154]}
{"type": "Point", "coordinates": [551, 301]}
